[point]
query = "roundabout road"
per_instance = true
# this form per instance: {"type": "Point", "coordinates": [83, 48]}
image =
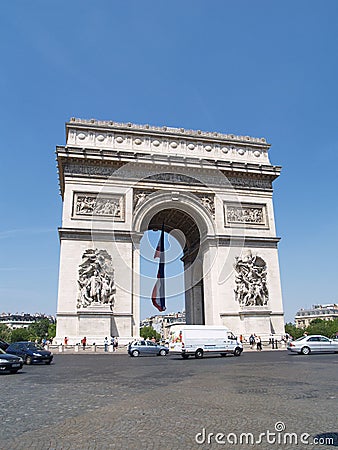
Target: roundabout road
{"type": "Point", "coordinates": [102, 401]}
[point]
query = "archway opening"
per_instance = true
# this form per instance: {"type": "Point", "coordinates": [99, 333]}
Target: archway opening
{"type": "Point", "coordinates": [183, 265]}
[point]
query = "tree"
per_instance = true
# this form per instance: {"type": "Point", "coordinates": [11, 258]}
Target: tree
{"type": "Point", "coordinates": [52, 330]}
{"type": "Point", "coordinates": [20, 334]}
{"type": "Point", "coordinates": [39, 329]}
{"type": "Point", "coordinates": [325, 327]}
{"type": "Point", "coordinates": [5, 332]}
{"type": "Point", "coordinates": [149, 332]}
{"type": "Point", "coordinates": [293, 331]}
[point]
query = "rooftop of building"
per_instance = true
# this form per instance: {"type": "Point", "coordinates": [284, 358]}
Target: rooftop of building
{"type": "Point", "coordinates": [329, 308]}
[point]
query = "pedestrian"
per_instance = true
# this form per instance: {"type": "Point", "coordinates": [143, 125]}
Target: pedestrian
{"type": "Point", "coordinates": [252, 341]}
{"type": "Point", "coordinates": [106, 342]}
{"type": "Point", "coordinates": [84, 343]}
{"type": "Point", "coordinates": [116, 343]}
{"type": "Point", "coordinates": [66, 340]}
{"type": "Point", "coordinates": [259, 343]}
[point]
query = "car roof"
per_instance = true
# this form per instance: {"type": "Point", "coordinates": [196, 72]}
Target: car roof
{"type": "Point", "coordinates": [316, 335]}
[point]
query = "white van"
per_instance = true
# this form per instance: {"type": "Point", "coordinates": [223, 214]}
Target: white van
{"type": "Point", "coordinates": [196, 340]}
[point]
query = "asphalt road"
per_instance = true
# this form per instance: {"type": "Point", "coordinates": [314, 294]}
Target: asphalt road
{"type": "Point", "coordinates": [105, 401]}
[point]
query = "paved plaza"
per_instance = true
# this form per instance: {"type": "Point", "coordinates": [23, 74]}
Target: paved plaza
{"type": "Point", "coordinates": [107, 401]}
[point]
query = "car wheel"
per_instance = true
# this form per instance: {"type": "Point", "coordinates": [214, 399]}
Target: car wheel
{"type": "Point", "coordinates": [14, 370]}
{"type": "Point", "coordinates": [135, 353]}
{"type": "Point", "coordinates": [163, 352]}
{"type": "Point", "coordinates": [184, 356]}
{"type": "Point", "coordinates": [237, 351]}
{"type": "Point", "coordinates": [305, 351]}
{"type": "Point", "coordinates": [48, 362]}
{"type": "Point", "coordinates": [28, 360]}
{"type": "Point", "coordinates": [199, 353]}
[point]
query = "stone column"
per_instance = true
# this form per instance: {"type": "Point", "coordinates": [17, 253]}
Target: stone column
{"type": "Point", "coordinates": [211, 285]}
{"type": "Point", "coordinates": [135, 307]}
{"type": "Point", "coordinates": [188, 293]}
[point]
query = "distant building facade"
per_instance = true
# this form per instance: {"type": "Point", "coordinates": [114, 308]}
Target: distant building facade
{"type": "Point", "coordinates": [162, 322]}
{"type": "Point", "coordinates": [22, 320]}
{"type": "Point", "coordinates": [304, 317]}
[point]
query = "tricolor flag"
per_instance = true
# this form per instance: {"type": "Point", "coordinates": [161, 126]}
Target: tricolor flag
{"type": "Point", "coordinates": [158, 294]}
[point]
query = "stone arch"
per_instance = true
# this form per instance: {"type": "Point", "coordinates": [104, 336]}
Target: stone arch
{"type": "Point", "coordinates": [186, 213]}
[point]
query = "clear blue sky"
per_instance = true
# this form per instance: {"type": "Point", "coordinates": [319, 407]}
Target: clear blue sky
{"type": "Point", "coordinates": [258, 68]}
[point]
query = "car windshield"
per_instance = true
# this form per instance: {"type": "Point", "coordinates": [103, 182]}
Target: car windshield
{"type": "Point", "coordinates": [301, 338]}
{"type": "Point", "coordinates": [33, 346]}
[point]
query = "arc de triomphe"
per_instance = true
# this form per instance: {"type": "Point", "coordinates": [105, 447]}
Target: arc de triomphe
{"type": "Point", "coordinates": [213, 191]}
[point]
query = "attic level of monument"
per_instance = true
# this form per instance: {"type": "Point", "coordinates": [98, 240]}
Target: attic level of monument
{"type": "Point", "coordinates": [135, 140]}
{"type": "Point", "coordinates": [94, 124]}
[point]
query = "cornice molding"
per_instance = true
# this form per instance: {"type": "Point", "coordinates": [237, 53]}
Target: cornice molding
{"type": "Point", "coordinates": [81, 234]}
{"type": "Point", "coordinates": [163, 131]}
{"type": "Point", "coordinates": [101, 137]}
{"type": "Point", "coordinates": [239, 175]}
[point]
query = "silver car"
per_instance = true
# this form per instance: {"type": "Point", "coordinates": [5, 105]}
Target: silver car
{"type": "Point", "coordinates": [314, 343]}
{"type": "Point", "coordinates": [142, 347]}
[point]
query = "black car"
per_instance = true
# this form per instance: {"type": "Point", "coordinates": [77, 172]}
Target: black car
{"type": "Point", "coordinates": [30, 352]}
{"type": "Point", "coordinates": [10, 363]}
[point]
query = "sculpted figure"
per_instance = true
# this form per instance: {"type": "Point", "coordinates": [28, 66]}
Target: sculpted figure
{"type": "Point", "coordinates": [251, 287]}
{"type": "Point", "coordinates": [96, 279]}
{"type": "Point", "coordinates": [140, 198]}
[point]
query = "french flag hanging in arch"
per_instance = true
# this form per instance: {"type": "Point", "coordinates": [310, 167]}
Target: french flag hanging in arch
{"type": "Point", "coordinates": [158, 294]}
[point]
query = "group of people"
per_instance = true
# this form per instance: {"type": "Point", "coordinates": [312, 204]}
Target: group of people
{"type": "Point", "coordinates": [113, 341]}
{"type": "Point", "coordinates": [255, 340]}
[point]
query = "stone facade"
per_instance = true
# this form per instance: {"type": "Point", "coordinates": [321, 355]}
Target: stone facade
{"type": "Point", "coordinates": [305, 316]}
{"type": "Point", "coordinates": [119, 180]}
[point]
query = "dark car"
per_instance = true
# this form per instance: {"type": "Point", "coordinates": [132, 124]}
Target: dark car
{"type": "Point", "coordinates": [142, 347]}
{"type": "Point", "coordinates": [10, 363]}
{"type": "Point", "coordinates": [3, 345]}
{"type": "Point", "coordinates": [30, 352]}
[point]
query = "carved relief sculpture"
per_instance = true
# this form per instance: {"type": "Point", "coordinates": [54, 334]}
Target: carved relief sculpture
{"type": "Point", "coordinates": [140, 196]}
{"type": "Point", "coordinates": [87, 204]}
{"type": "Point", "coordinates": [208, 203]}
{"type": "Point", "coordinates": [251, 287]}
{"type": "Point", "coordinates": [238, 214]}
{"type": "Point", "coordinates": [96, 279]}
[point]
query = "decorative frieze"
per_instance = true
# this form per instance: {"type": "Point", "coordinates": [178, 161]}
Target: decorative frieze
{"type": "Point", "coordinates": [93, 204]}
{"type": "Point", "coordinates": [167, 140]}
{"type": "Point", "coordinates": [167, 130]}
{"type": "Point", "coordinates": [248, 182]}
{"type": "Point", "coordinates": [251, 284]}
{"type": "Point", "coordinates": [105, 171]}
{"type": "Point", "coordinates": [245, 214]}
{"type": "Point", "coordinates": [174, 178]}
{"type": "Point", "coordinates": [208, 201]}
{"type": "Point", "coordinates": [96, 279]}
{"type": "Point", "coordinates": [89, 169]}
